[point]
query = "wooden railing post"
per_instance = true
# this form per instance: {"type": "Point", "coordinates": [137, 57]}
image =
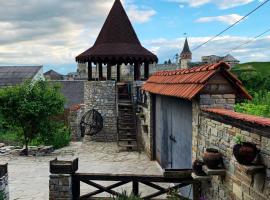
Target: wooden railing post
{"type": "Point", "coordinates": [196, 190]}
{"type": "Point", "coordinates": [135, 188]}
{"type": "Point", "coordinates": [75, 187]}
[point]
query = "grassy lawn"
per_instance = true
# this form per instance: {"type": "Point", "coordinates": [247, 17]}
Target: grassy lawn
{"type": "Point", "coordinates": [262, 67]}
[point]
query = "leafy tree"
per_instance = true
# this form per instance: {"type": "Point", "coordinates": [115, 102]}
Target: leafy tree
{"type": "Point", "coordinates": [31, 108]}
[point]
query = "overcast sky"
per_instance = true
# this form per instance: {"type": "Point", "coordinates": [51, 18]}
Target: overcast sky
{"type": "Point", "coordinates": [53, 32]}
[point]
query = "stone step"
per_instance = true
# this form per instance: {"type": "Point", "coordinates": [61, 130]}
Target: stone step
{"type": "Point", "coordinates": [126, 128]}
{"type": "Point", "coordinates": [128, 145]}
{"type": "Point", "coordinates": [126, 136]}
{"type": "Point", "coordinates": [125, 104]}
{"type": "Point", "coordinates": [127, 140]}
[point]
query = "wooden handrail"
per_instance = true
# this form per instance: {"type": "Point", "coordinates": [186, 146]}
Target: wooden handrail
{"type": "Point", "coordinates": [135, 179]}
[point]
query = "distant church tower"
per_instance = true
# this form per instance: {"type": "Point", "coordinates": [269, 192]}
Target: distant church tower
{"type": "Point", "coordinates": [186, 56]}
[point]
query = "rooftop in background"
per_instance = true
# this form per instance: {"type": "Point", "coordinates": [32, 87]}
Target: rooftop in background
{"type": "Point", "coordinates": [229, 59]}
{"type": "Point", "coordinates": [13, 75]}
{"type": "Point", "coordinates": [73, 91]}
{"type": "Point", "coordinates": [117, 42]}
{"type": "Point", "coordinates": [187, 83]}
{"type": "Point", "coordinates": [53, 75]}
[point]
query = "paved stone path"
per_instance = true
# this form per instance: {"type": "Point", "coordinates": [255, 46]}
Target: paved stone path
{"type": "Point", "coordinates": [29, 176]}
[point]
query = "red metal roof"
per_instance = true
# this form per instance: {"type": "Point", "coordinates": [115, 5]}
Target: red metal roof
{"type": "Point", "coordinates": [187, 83]}
{"type": "Point", "coordinates": [240, 116]}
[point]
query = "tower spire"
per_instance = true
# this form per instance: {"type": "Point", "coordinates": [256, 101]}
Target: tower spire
{"type": "Point", "coordinates": [186, 55]}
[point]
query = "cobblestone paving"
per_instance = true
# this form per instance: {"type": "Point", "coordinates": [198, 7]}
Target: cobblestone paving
{"type": "Point", "coordinates": [29, 176]}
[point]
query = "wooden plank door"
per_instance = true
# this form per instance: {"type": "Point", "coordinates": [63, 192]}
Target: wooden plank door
{"type": "Point", "coordinates": [173, 132]}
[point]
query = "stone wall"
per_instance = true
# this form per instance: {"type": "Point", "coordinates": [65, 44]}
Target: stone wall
{"type": "Point", "coordinates": [101, 95]}
{"type": "Point", "coordinates": [226, 101]}
{"type": "Point", "coordinates": [215, 131]}
{"type": "Point", "coordinates": [145, 126]}
{"type": "Point", "coordinates": [4, 191]}
{"type": "Point", "coordinates": [75, 115]}
{"type": "Point", "coordinates": [60, 187]}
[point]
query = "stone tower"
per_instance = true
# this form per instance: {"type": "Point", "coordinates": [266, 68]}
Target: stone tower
{"type": "Point", "coordinates": [186, 56]}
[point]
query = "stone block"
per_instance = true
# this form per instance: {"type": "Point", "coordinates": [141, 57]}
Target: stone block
{"type": "Point", "coordinates": [237, 190]}
{"type": "Point", "coordinates": [216, 96]}
{"type": "Point", "coordinates": [229, 96]}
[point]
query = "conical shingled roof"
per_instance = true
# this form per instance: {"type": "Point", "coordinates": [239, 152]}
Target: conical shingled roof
{"type": "Point", "coordinates": [186, 49]}
{"type": "Point", "coordinates": [117, 41]}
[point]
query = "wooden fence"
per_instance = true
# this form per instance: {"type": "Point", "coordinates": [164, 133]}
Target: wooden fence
{"type": "Point", "coordinates": [136, 180]}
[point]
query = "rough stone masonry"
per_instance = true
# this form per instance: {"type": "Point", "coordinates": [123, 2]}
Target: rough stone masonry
{"type": "Point", "coordinates": [101, 96]}
{"type": "Point", "coordinates": [4, 191]}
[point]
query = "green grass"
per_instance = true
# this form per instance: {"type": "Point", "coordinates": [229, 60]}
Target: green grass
{"type": "Point", "coordinates": [60, 138]}
{"type": "Point", "coordinates": [10, 138]}
{"type": "Point", "coordinates": [261, 67]}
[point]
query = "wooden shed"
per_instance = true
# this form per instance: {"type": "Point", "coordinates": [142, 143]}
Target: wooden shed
{"type": "Point", "coordinates": [174, 95]}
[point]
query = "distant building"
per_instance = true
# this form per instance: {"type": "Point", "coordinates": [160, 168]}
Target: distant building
{"type": "Point", "coordinates": [182, 62]}
{"type": "Point", "coordinates": [53, 75]}
{"type": "Point", "coordinates": [14, 75]}
{"type": "Point", "coordinates": [185, 56]}
{"type": "Point", "coordinates": [229, 59]}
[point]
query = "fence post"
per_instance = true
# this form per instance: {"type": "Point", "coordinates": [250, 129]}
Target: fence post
{"type": "Point", "coordinates": [61, 179]}
{"type": "Point", "coordinates": [4, 192]}
{"type": "Point", "coordinates": [75, 187]}
{"type": "Point", "coordinates": [135, 188]}
{"type": "Point", "coordinates": [196, 190]}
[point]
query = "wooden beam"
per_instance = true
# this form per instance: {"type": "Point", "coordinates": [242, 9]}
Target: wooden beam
{"type": "Point", "coordinates": [90, 76]}
{"type": "Point", "coordinates": [100, 71]}
{"type": "Point", "coordinates": [135, 188]}
{"type": "Point", "coordinates": [75, 187]}
{"type": "Point", "coordinates": [109, 71]}
{"type": "Point", "coordinates": [137, 71]}
{"type": "Point", "coordinates": [100, 187]}
{"type": "Point", "coordinates": [118, 72]}
{"type": "Point", "coordinates": [108, 188]}
{"type": "Point", "coordinates": [146, 70]}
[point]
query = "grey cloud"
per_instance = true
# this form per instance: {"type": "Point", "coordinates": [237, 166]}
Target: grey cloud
{"type": "Point", "coordinates": [52, 30]}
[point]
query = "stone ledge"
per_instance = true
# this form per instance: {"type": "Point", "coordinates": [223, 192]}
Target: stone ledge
{"type": "Point", "coordinates": [200, 178]}
{"type": "Point", "coordinates": [214, 172]}
{"type": "Point", "coordinates": [251, 169]}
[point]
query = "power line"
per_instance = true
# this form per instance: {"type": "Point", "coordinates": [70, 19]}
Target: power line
{"type": "Point", "coordinates": [237, 22]}
{"type": "Point", "coordinates": [249, 41]}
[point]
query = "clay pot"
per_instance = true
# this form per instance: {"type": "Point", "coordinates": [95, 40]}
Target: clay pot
{"type": "Point", "coordinates": [245, 153]}
{"type": "Point", "coordinates": [197, 167]}
{"type": "Point", "coordinates": [212, 158]}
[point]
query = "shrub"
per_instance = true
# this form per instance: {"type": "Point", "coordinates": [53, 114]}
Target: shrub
{"type": "Point", "coordinates": [2, 195]}
{"type": "Point", "coordinates": [61, 138]}
{"type": "Point", "coordinates": [260, 105]}
{"type": "Point", "coordinates": [125, 196]}
{"type": "Point", "coordinates": [30, 107]}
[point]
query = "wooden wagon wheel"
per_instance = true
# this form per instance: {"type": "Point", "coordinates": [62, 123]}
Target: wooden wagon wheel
{"type": "Point", "coordinates": [91, 123]}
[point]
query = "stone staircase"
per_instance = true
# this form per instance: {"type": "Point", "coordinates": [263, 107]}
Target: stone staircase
{"type": "Point", "coordinates": [126, 124]}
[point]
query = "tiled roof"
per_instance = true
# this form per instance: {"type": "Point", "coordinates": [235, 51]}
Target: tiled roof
{"type": "Point", "coordinates": [53, 75]}
{"type": "Point", "coordinates": [13, 75]}
{"type": "Point", "coordinates": [187, 83]}
{"type": "Point", "coordinates": [240, 116]}
{"type": "Point", "coordinates": [117, 41]}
